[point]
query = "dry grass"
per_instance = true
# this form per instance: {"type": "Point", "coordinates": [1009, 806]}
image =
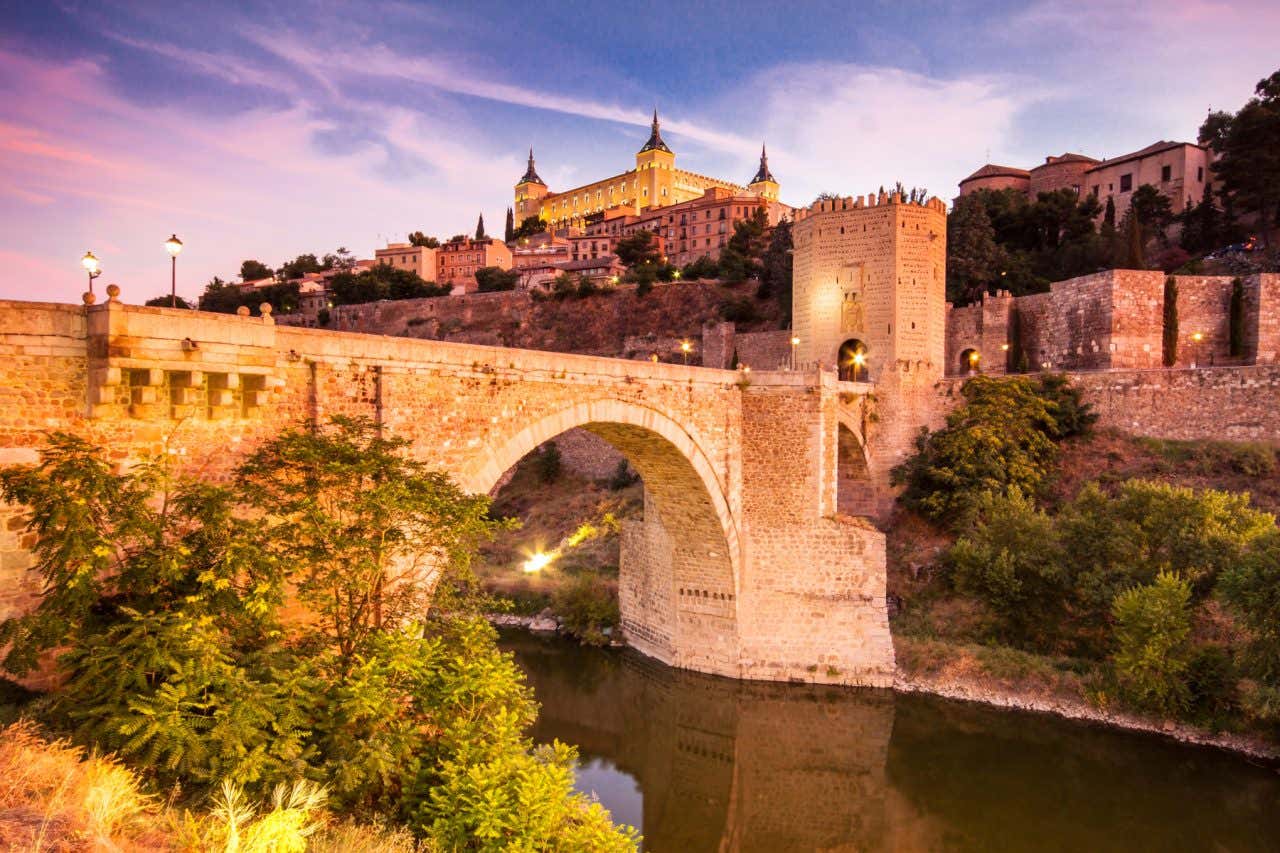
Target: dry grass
{"type": "Point", "coordinates": [54, 797]}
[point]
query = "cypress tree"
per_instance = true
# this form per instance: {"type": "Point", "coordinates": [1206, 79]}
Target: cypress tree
{"type": "Point", "coordinates": [480, 228]}
{"type": "Point", "coordinates": [1170, 340]}
{"type": "Point", "coordinates": [1133, 258]}
{"type": "Point", "coordinates": [510, 233]}
{"type": "Point", "coordinates": [1236, 318]}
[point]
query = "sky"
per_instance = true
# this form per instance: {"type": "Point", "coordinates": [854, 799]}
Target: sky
{"type": "Point", "coordinates": [266, 130]}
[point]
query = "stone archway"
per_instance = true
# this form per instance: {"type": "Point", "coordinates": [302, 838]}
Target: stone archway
{"type": "Point", "coordinates": [679, 577]}
{"type": "Point", "coordinates": [970, 361]}
{"type": "Point", "coordinates": [855, 491]}
{"type": "Point", "coordinates": [851, 361]}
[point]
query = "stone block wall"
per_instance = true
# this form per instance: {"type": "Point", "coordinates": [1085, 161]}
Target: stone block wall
{"type": "Point", "coordinates": [1204, 308]}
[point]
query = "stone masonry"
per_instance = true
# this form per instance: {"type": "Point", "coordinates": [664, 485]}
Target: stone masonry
{"type": "Point", "coordinates": [742, 565]}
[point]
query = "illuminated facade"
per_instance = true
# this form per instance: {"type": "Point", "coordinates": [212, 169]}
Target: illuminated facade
{"type": "Point", "coordinates": [655, 182]}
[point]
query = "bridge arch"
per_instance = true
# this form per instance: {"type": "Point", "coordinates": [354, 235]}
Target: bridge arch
{"type": "Point", "coordinates": [680, 567]}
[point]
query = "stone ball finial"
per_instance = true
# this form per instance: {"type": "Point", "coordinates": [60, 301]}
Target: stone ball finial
{"type": "Point", "coordinates": [113, 293]}
{"type": "Point", "coordinates": [265, 309]}
{"type": "Point", "coordinates": [243, 311]}
{"type": "Point", "coordinates": [89, 298]}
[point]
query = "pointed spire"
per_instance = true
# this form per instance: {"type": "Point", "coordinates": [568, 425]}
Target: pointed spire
{"type": "Point", "coordinates": [655, 142]}
{"type": "Point", "coordinates": [763, 173]}
{"type": "Point", "coordinates": [531, 174]}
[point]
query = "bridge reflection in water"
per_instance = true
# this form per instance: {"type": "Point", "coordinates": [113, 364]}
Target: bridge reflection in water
{"type": "Point", "coordinates": [700, 763]}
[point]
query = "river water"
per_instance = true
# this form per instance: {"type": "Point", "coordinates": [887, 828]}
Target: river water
{"type": "Point", "coordinates": [707, 764]}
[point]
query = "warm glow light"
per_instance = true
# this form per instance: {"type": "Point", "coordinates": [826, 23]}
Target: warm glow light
{"type": "Point", "coordinates": [973, 358]}
{"type": "Point", "coordinates": [1197, 337]}
{"type": "Point", "coordinates": [676, 274]}
{"type": "Point", "coordinates": [1004, 347]}
{"type": "Point", "coordinates": [537, 562]}
{"type": "Point", "coordinates": [90, 263]}
{"type": "Point", "coordinates": [795, 342]}
{"type": "Point", "coordinates": [859, 358]}
{"type": "Point", "coordinates": [173, 245]}
{"type": "Point", "coordinates": [685, 346]}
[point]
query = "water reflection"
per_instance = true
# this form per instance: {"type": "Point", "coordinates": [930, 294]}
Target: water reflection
{"type": "Point", "coordinates": [707, 764]}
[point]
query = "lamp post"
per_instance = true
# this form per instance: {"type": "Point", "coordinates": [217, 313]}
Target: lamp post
{"type": "Point", "coordinates": [1197, 337]}
{"type": "Point", "coordinates": [92, 267]}
{"type": "Point", "coordinates": [173, 246]}
{"type": "Point", "coordinates": [795, 342]}
{"type": "Point", "coordinates": [685, 347]}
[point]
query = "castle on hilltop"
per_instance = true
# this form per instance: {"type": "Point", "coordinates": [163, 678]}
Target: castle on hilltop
{"type": "Point", "coordinates": [655, 182]}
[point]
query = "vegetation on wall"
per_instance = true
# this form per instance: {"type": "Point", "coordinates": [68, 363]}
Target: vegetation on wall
{"type": "Point", "coordinates": [1235, 319]}
{"type": "Point", "coordinates": [1247, 143]}
{"type": "Point", "coordinates": [382, 281]}
{"type": "Point", "coordinates": [1169, 339]}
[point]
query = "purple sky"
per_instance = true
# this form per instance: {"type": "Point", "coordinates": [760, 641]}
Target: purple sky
{"type": "Point", "coordinates": [266, 130]}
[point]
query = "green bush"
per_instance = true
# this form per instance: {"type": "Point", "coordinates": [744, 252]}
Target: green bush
{"type": "Point", "coordinates": [1251, 588]}
{"type": "Point", "coordinates": [1000, 439]}
{"type": "Point", "coordinates": [1012, 561]}
{"type": "Point", "coordinates": [588, 605]}
{"type": "Point", "coordinates": [738, 310]}
{"type": "Point", "coordinates": [546, 462]}
{"type": "Point", "coordinates": [1211, 682]}
{"type": "Point", "coordinates": [1151, 656]}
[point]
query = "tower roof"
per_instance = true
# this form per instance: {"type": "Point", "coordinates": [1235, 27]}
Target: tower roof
{"type": "Point", "coordinates": [763, 173]}
{"type": "Point", "coordinates": [531, 174]}
{"type": "Point", "coordinates": [655, 142]}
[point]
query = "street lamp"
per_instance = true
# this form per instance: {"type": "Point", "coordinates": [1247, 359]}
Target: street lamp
{"type": "Point", "coordinates": [685, 348]}
{"type": "Point", "coordinates": [173, 246]}
{"type": "Point", "coordinates": [1197, 337]}
{"type": "Point", "coordinates": [795, 342]}
{"type": "Point", "coordinates": [92, 267]}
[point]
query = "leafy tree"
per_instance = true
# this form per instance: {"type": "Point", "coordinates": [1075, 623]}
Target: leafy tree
{"type": "Point", "coordinates": [166, 302]}
{"type": "Point", "coordinates": [529, 226]}
{"type": "Point", "coordinates": [382, 281]}
{"type": "Point", "coordinates": [1012, 560]}
{"type": "Point", "coordinates": [1154, 211]}
{"type": "Point", "coordinates": [1201, 226]}
{"type": "Point", "coordinates": [738, 310]}
{"type": "Point", "coordinates": [776, 267]}
{"type": "Point", "coordinates": [1251, 589]}
{"type": "Point", "coordinates": [300, 266]}
{"type": "Point", "coordinates": [227, 298]}
{"type": "Point", "coordinates": [740, 259]}
{"type": "Point", "coordinates": [1001, 438]}
{"type": "Point", "coordinates": [1153, 624]}
{"type": "Point", "coordinates": [638, 249]}
{"type": "Point", "coordinates": [339, 259]}
{"type": "Point", "coordinates": [493, 279]}
{"type": "Point", "coordinates": [252, 270]}
{"type": "Point", "coordinates": [702, 268]}
{"type": "Point", "coordinates": [974, 260]}
{"type": "Point", "coordinates": [1169, 339]}
{"type": "Point", "coordinates": [417, 238]}
{"type": "Point", "coordinates": [1248, 148]}
{"type": "Point", "coordinates": [509, 232]}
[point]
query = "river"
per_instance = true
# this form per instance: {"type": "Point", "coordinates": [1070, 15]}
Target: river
{"type": "Point", "coordinates": [699, 763]}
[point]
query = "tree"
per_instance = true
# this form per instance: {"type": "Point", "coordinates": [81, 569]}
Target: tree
{"type": "Point", "coordinates": [529, 226]}
{"type": "Point", "coordinates": [1251, 588]}
{"type": "Point", "coordinates": [1248, 145]}
{"type": "Point", "coordinates": [1134, 258]}
{"type": "Point", "coordinates": [740, 258]}
{"type": "Point", "coordinates": [638, 249]}
{"type": "Point", "coordinates": [1235, 319]}
{"type": "Point", "coordinates": [300, 266]}
{"type": "Point", "coordinates": [480, 235]}
{"type": "Point", "coordinates": [509, 233]}
{"type": "Point", "coordinates": [252, 270]}
{"type": "Point", "coordinates": [776, 266]}
{"type": "Point", "coordinates": [1154, 211]}
{"type": "Point", "coordinates": [974, 259]}
{"type": "Point", "coordinates": [226, 298]}
{"type": "Point", "coordinates": [382, 281]}
{"type": "Point", "coordinates": [417, 238]}
{"type": "Point", "coordinates": [1153, 623]}
{"type": "Point", "coordinates": [166, 302]}
{"type": "Point", "coordinates": [339, 259]}
{"type": "Point", "coordinates": [493, 279]}
{"type": "Point", "coordinates": [1169, 338]}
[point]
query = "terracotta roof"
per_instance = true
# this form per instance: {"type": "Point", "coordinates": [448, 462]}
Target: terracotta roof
{"type": "Point", "coordinates": [589, 263]}
{"type": "Point", "coordinates": [1068, 157]}
{"type": "Point", "coordinates": [991, 170]}
{"type": "Point", "coordinates": [1153, 148]}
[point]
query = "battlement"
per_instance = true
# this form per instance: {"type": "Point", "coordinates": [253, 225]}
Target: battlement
{"type": "Point", "coordinates": [879, 199]}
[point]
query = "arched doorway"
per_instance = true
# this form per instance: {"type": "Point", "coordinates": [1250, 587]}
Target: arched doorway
{"type": "Point", "coordinates": [970, 361]}
{"type": "Point", "coordinates": [678, 572]}
{"type": "Point", "coordinates": [852, 361]}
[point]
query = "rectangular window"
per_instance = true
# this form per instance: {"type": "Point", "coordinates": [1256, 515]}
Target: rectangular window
{"type": "Point", "coordinates": [1200, 173]}
{"type": "Point", "coordinates": [1095, 190]}
{"type": "Point", "coordinates": [1126, 183]}
{"type": "Point", "coordinates": [1166, 173]}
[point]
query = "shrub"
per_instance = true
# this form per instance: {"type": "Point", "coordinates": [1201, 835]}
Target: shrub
{"type": "Point", "coordinates": [546, 462]}
{"type": "Point", "coordinates": [703, 267]}
{"type": "Point", "coordinates": [1251, 588]}
{"type": "Point", "coordinates": [1012, 561]}
{"type": "Point", "coordinates": [738, 310]}
{"type": "Point", "coordinates": [496, 279]}
{"type": "Point", "coordinates": [1211, 682]}
{"type": "Point", "coordinates": [1000, 439]}
{"type": "Point", "coordinates": [588, 605]}
{"type": "Point", "coordinates": [622, 476]}
{"type": "Point", "coordinates": [1151, 654]}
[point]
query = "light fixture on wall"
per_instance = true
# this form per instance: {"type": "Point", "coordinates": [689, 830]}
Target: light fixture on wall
{"type": "Point", "coordinates": [93, 267]}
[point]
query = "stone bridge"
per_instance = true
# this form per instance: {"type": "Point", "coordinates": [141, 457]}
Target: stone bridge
{"type": "Point", "coordinates": [744, 564]}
